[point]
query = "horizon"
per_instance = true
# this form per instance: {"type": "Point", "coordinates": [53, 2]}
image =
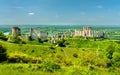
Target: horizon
{"type": "Point", "coordinates": [82, 25]}
{"type": "Point", "coordinates": [60, 12]}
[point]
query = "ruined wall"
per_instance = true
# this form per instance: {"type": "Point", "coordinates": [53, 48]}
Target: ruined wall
{"type": "Point", "coordinates": [87, 31]}
{"type": "Point", "coordinates": [34, 34]}
{"type": "Point", "coordinates": [16, 31]}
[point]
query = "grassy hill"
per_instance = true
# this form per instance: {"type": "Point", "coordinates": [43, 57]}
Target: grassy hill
{"type": "Point", "coordinates": [79, 57]}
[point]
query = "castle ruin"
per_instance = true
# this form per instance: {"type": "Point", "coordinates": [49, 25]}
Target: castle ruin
{"type": "Point", "coordinates": [16, 31]}
{"type": "Point", "coordinates": [34, 34]}
{"type": "Point", "coordinates": [88, 32]}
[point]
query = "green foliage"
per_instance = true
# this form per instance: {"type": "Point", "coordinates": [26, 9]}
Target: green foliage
{"type": "Point", "coordinates": [14, 39]}
{"type": "Point", "coordinates": [50, 66]}
{"type": "Point", "coordinates": [3, 37]}
{"type": "Point", "coordinates": [83, 54]}
{"type": "Point", "coordinates": [3, 54]}
{"type": "Point", "coordinates": [75, 55]}
{"type": "Point", "coordinates": [116, 59]}
{"type": "Point", "coordinates": [110, 49]}
{"type": "Point", "coordinates": [61, 43]}
{"type": "Point", "coordinates": [23, 58]}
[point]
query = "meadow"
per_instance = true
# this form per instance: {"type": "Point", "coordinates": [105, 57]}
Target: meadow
{"type": "Point", "coordinates": [79, 57]}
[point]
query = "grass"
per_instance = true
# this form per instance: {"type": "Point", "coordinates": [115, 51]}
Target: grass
{"type": "Point", "coordinates": [78, 58]}
{"type": "Point", "coordinates": [25, 69]}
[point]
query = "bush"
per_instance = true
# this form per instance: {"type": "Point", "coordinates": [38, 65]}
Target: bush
{"type": "Point", "coordinates": [67, 62]}
{"type": "Point", "coordinates": [61, 43]}
{"type": "Point", "coordinates": [36, 60]}
{"type": "Point", "coordinates": [14, 39]}
{"type": "Point", "coordinates": [89, 58]}
{"type": "Point", "coordinates": [116, 59]}
{"type": "Point", "coordinates": [3, 54]}
{"type": "Point", "coordinates": [3, 37]}
{"type": "Point", "coordinates": [109, 51]}
{"type": "Point", "coordinates": [18, 57]}
{"type": "Point", "coordinates": [23, 58]}
{"type": "Point", "coordinates": [50, 66]}
{"type": "Point", "coordinates": [75, 55]}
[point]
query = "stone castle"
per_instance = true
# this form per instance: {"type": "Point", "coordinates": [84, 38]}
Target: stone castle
{"type": "Point", "coordinates": [34, 34]}
{"type": "Point", "coordinates": [87, 31]}
{"type": "Point", "coordinates": [16, 31]}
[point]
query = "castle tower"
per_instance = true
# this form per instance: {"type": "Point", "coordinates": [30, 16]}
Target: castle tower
{"type": "Point", "coordinates": [16, 31]}
{"type": "Point", "coordinates": [87, 31]}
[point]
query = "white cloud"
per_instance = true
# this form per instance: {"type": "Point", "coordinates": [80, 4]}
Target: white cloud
{"type": "Point", "coordinates": [99, 6]}
{"type": "Point", "coordinates": [31, 13]}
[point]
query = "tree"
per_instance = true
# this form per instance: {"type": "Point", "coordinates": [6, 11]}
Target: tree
{"type": "Point", "coordinates": [61, 43]}
{"type": "Point", "coordinates": [15, 39]}
{"type": "Point", "coordinates": [3, 54]}
{"type": "Point", "coordinates": [116, 59]}
{"type": "Point", "coordinates": [2, 36]}
{"type": "Point", "coordinates": [110, 49]}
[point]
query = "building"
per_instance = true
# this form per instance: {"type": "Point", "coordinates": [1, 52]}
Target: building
{"type": "Point", "coordinates": [16, 31]}
{"type": "Point", "coordinates": [88, 32]}
{"type": "Point", "coordinates": [35, 34]}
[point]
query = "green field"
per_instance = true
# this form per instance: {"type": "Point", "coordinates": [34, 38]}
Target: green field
{"type": "Point", "coordinates": [79, 57]}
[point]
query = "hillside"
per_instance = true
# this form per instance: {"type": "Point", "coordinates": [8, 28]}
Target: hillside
{"type": "Point", "coordinates": [79, 57]}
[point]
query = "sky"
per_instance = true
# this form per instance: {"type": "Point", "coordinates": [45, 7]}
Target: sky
{"type": "Point", "coordinates": [60, 12]}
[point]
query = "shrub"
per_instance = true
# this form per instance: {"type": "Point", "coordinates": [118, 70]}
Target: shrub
{"type": "Point", "coordinates": [3, 37]}
{"type": "Point", "coordinates": [116, 59]}
{"type": "Point", "coordinates": [14, 39]}
{"type": "Point", "coordinates": [91, 67]}
{"type": "Point", "coordinates": [61, 43]}
{"type": "Point", "coordinates": [18, 57]}
{"type": "Point", "coordinates": [23, 58]}
{"type": "Point", "coordinates": [109, 51]}
{"type": "Point", "coordinates": [3, 54]}
{"type": "Point", "coordinates": [67, 62]}
{"type": "Point", "coordinates": [50, 66]}
{"type": "Point", "coordinates": [100, 62]}
{"type": "Point", "coordinates": [75, 55]}
{"type": "Point", "coordinates": [88, 58]}
{"type": "Point", "coordinates": [36, 60]}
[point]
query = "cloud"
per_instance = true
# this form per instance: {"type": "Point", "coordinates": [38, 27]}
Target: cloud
{"type": "Point", "coordinates": [31, 13]}
{"type": "Point", "coordinates": [99, 6]}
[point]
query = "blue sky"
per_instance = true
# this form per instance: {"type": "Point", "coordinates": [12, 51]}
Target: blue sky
{"type": "Point", "coordinates": [97, 12]}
